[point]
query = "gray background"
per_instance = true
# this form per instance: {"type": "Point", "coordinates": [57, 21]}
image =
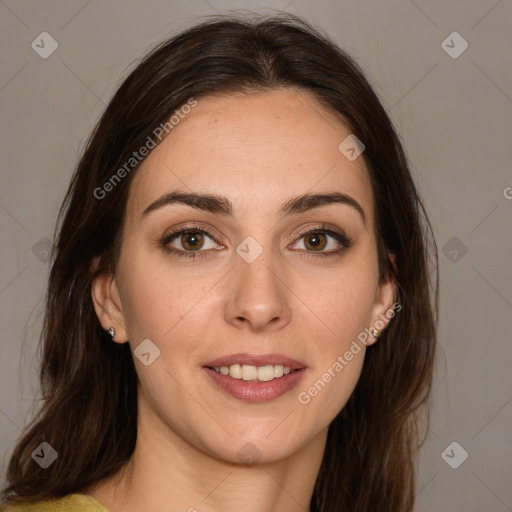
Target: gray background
{"type": "Point", "coordinates": [455, 117]}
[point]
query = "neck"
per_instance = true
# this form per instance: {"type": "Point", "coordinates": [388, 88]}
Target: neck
{"type": "Point", "coordinates": [167, 473]}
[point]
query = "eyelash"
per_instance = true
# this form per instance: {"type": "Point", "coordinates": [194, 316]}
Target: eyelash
{"type": "Point", "coordinates": [340, 237]}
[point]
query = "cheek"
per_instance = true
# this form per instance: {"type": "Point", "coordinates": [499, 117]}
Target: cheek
{"type": "Point", "coordinates": [148, 299]}
{"type": "Point", "coordinates": [162, 301]}
{"type": "Point", "coordinates": [327, 391]}
{"type": "Point", "coordinates": [341, 301]}
{"type": "Point", "coordinates": [338, 354]}
{"type": "Point", "coordinates": [341, 311]}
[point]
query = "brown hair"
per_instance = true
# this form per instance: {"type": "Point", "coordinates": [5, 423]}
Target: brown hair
{"type": "Point", "coordinates": [89, 409]}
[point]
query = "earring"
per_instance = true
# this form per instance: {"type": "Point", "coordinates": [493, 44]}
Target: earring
{"type": "Point", "coordinates": [375, 333]}
{"type": "Point", "coordinates": [111, 332]}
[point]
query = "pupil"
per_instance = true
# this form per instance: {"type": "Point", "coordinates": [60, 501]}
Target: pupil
{"type": "Point", "coordinates": [315, 240]}
{"type": "Point", "coordinates": [192, 240]}
{"type": "Point", "coordinates": [314, 237]}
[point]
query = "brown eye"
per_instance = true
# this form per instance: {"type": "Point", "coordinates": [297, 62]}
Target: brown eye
{"type": "Point", "coordinates": [315, 241]}
{"type": "Point", "coordinates": [192, 240]}
{"type": "Point", "coordinates": [323, 242]}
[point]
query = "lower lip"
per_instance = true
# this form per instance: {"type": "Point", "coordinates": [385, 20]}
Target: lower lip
{"type": "Point", "coordinates": [256, 391]}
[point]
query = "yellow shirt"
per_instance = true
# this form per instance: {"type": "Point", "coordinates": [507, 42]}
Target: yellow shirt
{"type": "Point", "coordinates": [71, 503]}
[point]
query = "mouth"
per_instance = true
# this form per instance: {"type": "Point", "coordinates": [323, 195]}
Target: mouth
{"type": "Point", "coordinates": [255, 378]}
{"type": "Point", "coordinates": [250, 373]}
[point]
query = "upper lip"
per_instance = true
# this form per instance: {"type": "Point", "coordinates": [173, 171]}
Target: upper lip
{"type": "Point", "coordinates": [255, 360]}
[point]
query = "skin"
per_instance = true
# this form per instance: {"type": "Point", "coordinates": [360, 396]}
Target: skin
{"type": "Point", "coordinates": [258, 150]}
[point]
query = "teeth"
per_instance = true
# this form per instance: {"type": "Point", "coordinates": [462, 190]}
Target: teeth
{"type": "Point", "coordinates": [278, 370]}
{"type": "Point", "coordinates": [235, 371]}
{"type": "Point", "coordinates": [254, 373]}
{"type": "Point", "coordinates": [249, 372]}
{"type": "Point", "coordinates": [265, 373]}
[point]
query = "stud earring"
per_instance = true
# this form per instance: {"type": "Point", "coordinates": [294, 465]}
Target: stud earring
{"type": "Point", "coordinates": [111, 332]}
{"type": "Point", "coordinates": [375, 333]}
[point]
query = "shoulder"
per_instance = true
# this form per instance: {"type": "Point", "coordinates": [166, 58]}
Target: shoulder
{"type": "Point", "coordinates": [71, 503]}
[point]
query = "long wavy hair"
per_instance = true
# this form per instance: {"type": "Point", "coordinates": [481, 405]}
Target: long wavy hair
{"type": "Point", "coordinates": [89, 385]}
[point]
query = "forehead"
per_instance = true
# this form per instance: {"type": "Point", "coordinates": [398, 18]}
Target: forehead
{"type": "Point", "coordinates": [257, 150]}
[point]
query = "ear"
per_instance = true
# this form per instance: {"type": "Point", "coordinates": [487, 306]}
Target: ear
{"type": "Point", "coordinates": [107, 303]}
{"type": "Point", "coordinates": [385, 298]}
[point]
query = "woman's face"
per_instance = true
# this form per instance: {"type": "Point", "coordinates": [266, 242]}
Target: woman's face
{"type": "Point", "coordinates": [246, 286]}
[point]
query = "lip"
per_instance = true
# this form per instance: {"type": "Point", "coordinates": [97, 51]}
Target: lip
{"type": "Point", "coordinates": [256, 392]}
{"type": "Point", "coordinates": [256, 360]}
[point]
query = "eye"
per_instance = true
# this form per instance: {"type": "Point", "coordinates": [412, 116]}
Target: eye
{"type": "Point", "coordinates": [324, 241]}
{"type": "Point", "coordinates": [189, 242]}
{"type": "Point", "coordinates": [197, 242]}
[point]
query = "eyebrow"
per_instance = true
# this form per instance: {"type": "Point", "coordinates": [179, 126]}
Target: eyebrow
{"type": "Point", "coordinates": [222, 205]}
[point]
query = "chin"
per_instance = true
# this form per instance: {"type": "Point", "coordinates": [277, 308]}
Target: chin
{"type": "Point", "coordinates": [258, 445]}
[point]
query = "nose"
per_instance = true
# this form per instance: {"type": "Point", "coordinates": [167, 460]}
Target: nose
{"type": "Point", "coordinates": [258, 296]}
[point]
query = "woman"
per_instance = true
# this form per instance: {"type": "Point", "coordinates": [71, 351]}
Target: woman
{"type": "Point", "coordinates": [239, 313]}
